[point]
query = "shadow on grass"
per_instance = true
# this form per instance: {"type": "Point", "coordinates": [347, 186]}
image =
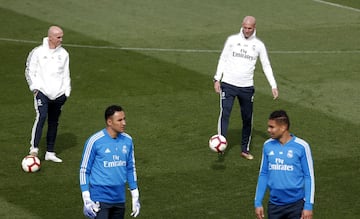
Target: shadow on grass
{"type": "Point", "coordinates": [232, 136]}
{"type": "Point", "coordinates": [219, 163]}
{"type": "Point", "coordinates": [65, 141]}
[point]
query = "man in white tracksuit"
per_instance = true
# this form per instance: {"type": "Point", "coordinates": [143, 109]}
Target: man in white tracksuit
{"type": "Point", "coordinates": [48, 76]}
{"type": "Point", "coordinates": [234, 78]}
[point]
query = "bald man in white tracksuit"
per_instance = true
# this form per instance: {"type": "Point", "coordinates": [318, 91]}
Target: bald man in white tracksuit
{"type": "Point", "coordinates": [234, 78]}
{"type": "Point", "coordinates": [48, 76]}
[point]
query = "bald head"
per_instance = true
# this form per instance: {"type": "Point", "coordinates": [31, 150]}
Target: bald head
{"type": "Point", "coordinates": [248, 26]}
{"type": "Point", "coordinates": [55, 35]}
{"type": "Point", "coordinates": [54, 30]}
{"type": "Point", "coordinates": [249, 20]}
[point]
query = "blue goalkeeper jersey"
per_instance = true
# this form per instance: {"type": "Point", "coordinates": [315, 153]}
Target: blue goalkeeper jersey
{"type": "Point", "coordinates": [287, 171]}
{"type": "Point", "coordinates": [107, 164]}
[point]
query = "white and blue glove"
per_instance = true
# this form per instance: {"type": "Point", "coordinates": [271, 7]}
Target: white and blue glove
{"type": "Point", "coordinates": [90, 207]}
{"type": "Point", "coordinates": [135, 203]}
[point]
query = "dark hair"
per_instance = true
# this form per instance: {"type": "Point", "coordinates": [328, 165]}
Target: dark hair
{"type": "Point", "coordinates": [111, 110]}
{"type": "Point", "coordinates": [281, 117]}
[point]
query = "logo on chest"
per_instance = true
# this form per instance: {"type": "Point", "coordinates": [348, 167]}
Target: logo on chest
{"type": "Point", "coordinates": [280, 165]}
{"type": "Point", "coordinates": [114, 157]}
{"type": "Point", "coordinates": [245, 52]}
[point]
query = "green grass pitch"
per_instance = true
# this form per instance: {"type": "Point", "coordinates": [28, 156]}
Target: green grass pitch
{"type": "Point", "coordinates": [156, 59]}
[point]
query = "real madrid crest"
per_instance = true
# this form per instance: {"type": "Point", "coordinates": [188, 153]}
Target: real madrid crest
{"type": "Point", "coordinates": [290, 154]}
{"type": "Point", "coordinates": [124, 149]}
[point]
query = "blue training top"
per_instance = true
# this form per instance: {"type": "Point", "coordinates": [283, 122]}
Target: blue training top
{"type": "Point", "coordinates": [107, 164]}
{"type": "Point", "coordinates": [287, 171]}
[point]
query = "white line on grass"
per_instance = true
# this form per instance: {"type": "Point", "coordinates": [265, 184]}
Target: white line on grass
{"type": "Point", "coordinates": [337, 5]}
{"type": "Point", "coordinates": [182, 50]}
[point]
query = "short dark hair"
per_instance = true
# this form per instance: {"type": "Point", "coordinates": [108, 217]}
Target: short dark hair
{"type": "Point", "coordinates": [110, 110]}
{"type": "Point", "coordinates": [281, 117]}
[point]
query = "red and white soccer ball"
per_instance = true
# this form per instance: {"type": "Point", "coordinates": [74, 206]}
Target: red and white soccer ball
{"type": "Point", "coordinates": [218, 143]}
{"type": "Point", "coordinates": [31, 164]}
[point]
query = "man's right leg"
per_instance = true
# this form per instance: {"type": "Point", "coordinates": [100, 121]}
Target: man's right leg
{"type": "Point", "coordinates": [226, 103]}
{"type": "Point", "coordinates": [41, 108]}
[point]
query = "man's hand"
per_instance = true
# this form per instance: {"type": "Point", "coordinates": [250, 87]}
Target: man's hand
{"type": "Point", "coordinates": [259, 212]}
{"type": "Point", "coordinates": [217, 87]}
{"type": "Point", "coordinates": [306, 214]}
{"type": "Point", "coordinates": [135, 203]}
{"type": "Point", "coordinates": [275, 93]}
{"type": "Point", "coordinates": [90, 207]}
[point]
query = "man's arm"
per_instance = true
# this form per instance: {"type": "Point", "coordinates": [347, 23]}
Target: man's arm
{"type": "Point", "coordinates": [31, 70]}
{"type": "Point", "coordinates": [131, 169]}
{"type": "Point", "coordinates": [262, 181]}
{"type": "Point", "coordinates": [86, 163]}
{"type": "Point", "coordinates": [265, 62]}
{"type": "Point", "coordinates": [67, 80]}
{"type": "Point", "coordinates": [223, 59]}
{"type": "Point", "coordinates": [309, 177]}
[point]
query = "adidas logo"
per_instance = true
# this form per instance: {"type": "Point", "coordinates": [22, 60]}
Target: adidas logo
{"type": "Point", "coordinates": [107, 151]}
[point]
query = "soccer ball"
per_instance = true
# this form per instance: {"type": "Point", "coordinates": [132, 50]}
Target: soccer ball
{"type": "Point", "coordinates": [218, 143]}
{"type": "Point", "coordinates": [30, 164]}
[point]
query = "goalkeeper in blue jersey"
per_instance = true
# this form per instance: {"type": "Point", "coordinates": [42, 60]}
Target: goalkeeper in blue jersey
{"type": "Point", "coordinates": [107, 164]}
{"type": "Point", "coordinates": [287, 171]}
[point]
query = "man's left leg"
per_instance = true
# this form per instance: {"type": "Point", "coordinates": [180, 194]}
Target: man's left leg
{"type": "Point", "coordinates": [111, 211]}
{"type": "Point", "coordinates": [295, 210]}
{"type": "Point", "coordinates": [246, 99]}
{"type": "Point", "coordinates": [289, 211]}
{"type": "Point", "coordinates": [54, 112]}
{"type": "Point", "coordinates": [118, 211]}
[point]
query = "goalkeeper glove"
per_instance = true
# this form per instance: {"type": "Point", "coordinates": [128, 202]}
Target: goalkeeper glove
{"type": "Point", "coordinates": [90, 208]}
{"type": "Point", "coordinates": [135, 203]}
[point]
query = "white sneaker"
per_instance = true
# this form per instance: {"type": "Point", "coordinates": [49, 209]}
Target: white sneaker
{"type": "Point", "coordinates": [34, 151]}
{"type": "Point", "coordinates": [52, 156]}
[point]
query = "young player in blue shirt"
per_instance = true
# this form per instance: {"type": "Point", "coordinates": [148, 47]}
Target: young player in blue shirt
{"type": "Point", "coordinates": [287, 171]}
{"type": "Point", "coordinates": [107, 164]}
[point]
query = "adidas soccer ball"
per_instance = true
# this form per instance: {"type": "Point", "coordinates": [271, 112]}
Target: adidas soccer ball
{"type": "Point", "coordinates": [30, 164]}
{"type": "Point", "coordinates": [218, 143]}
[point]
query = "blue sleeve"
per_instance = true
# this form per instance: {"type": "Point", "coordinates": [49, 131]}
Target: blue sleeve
{"type": "Point", "coordinates": [87, 161]}
{"type": "Point", "coordinates": [262, 180]}
{"type": "Point", "coordinates": [309, 178]}
{"type": "Point", "coordinates": [131, 169]}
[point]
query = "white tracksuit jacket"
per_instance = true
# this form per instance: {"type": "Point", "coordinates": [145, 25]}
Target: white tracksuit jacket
{"type": "Point", "coordinates": [47, 70]}
{"type": "Point", "coordinates": [237, 61]}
